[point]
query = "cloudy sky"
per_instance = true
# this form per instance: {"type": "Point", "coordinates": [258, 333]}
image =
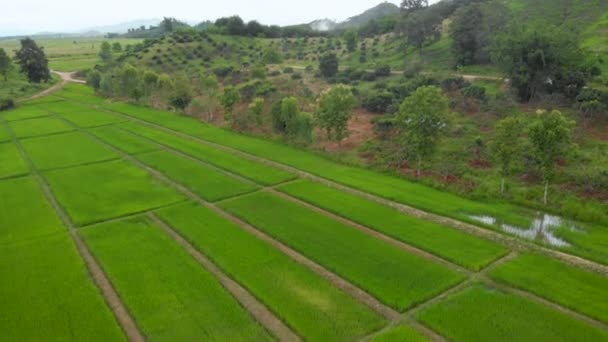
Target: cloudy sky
{"type": "Point", "coordinates": [32, 16]}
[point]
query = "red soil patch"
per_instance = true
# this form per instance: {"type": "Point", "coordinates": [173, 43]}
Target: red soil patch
{"type": "Point", "coordinates": [361, 130]}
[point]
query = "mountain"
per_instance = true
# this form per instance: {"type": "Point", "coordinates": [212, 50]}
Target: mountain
{"type": "Point", "coordinates": [123, 27]}
{"type": "Point", "coordinates": [382, 10]}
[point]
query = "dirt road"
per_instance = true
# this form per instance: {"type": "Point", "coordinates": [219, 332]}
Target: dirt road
{"type": "Point", "coordinates": [66, 77]}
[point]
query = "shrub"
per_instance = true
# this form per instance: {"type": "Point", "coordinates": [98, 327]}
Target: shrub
{"type": "Point", "coordinates": [258, 71]}
{"type": "Point", "coordinates": [223, 70]}
{"type": "Point", "coordinates": [288, 70]}
{"type": "Point", "coordinates": [6, 104]}
{"type": "Point", "coordinates": [383, 71]}
{"type": "Point", "coordinates": [328, 65]}
{"type": "Point", "coordinates": [454, 83]}
{"type": "Point", "coordinates": [296, 76]}
{"type": "Point", "coordinates": [378, 102]}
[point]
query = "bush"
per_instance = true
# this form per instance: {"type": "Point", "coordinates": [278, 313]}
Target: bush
{"type": "Point", "coordinates": [475, 92]}
{"type": "Point", "coordinates": [296, 76]}
{"type": "Point", "coordinates": [6, 104]}
{"type": "Point", "coordinates": [383, 126]}
{"type": "Point", "coordinates": [454, 83]}
{"type": "Point", "coordinates": [383, 71]}
{"type": "Point", "coordinates": [288, 70]}
{"type": "Point", "coordinates": [223, 70]}
{"type": "Point", "coordinates": [258, 71]}
{"type": "Point", "coordinates": [378, 102]}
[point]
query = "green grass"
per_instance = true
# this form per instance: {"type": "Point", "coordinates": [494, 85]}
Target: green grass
{"type": "Point", "coordinates": [25, 112]}
{"type": "Point", "coordinates": [170, 295]}
{"type": "Point", "coordinates": [103, 191]}
{"type": "Point", "coordinates": [481, 313]}
{"type": "Point", "coordinates": [83, 116]}
{"type": "Point", "coordinates": [401, 333]}
{"type": "Point", "coordinates": [123, 141]}
{"type": "Point", "coordinates": [11, 162]}
{"type": "Point", "coordinates": [307, 302]}
{"type": "Point", "coordinates": [4, 134]}
{"type": "Point", "coordinates": [577, 289]}
{"type": "Point", "coordinates": [39, 127]}
{"type": "Point", "coordinates": [19, 88]}
{"type": "Point", "coordinates": [448, 243]}
{"type": "Point", "coordinates": [397, 278]}
{"type": "Point", "coordinates": [24, 212]}
{"type": "Point", "coordinates": [65, 150]}
{"type": "Point", "coordinates": [47, 294]}
{"type": "Point", "coordinates": [255, 171]}
{"type": "Point", "coordinates": [208, 183]}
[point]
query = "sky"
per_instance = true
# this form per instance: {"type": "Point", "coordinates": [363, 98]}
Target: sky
{"type": "Point", "coordinates": [34, 16]}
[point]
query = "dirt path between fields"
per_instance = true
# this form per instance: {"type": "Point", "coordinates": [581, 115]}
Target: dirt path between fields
{"type": "Point", "coordinates": [96, 272]}
{"type": "Point", "coordinates": [66, 77]}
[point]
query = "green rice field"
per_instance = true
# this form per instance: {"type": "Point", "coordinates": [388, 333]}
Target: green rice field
{"type": "Point", "coordinates": [313, 242]}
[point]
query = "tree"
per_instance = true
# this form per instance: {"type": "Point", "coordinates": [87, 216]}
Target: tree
{"type": "Point", "coordinates": [256, 107]}
{"type": "Point", "coordinates": [106, 52]}
{"type": "Point", "coordinates": [536, 56]}
{"type": "Point", "coordinates": [551, 138]}
{"type": "Point", "coordinates": [150, 80]}
{"type": "Point", "coordinates": [466, 30]}
{"type": "Point", "coordinates": [350, 36]}
{"type": "Point", "coordinates": [272, 56]}
{"type": "Point", "coordinates": [94, 79]}
{"type": "Point", "coordinates": [116, 47]}
{"type": "Point", "coordinates": [504, 147]}
{"type": "Point", "coordinates": [129, 82]}
{"type": "Point", "coordinates": [182, 93]}
{"type": "Point", "coordinates": [421, 120]}
{"type": "Point", "coordinates": [421, 26]}
{"type": "Point", "coordinates": [409, 6]}
{"type": "Point", "coordinates": [33, 61]}
{"type": "Point", "coordinates": [228, 100]}
{"type": "Point", "coordinates": [334, 109]}
{"type": "Point", "coordinates": [5, 64]}
{"type": "Point", "coordinates": [168, 25]}
{"type": "Point", "coordinates": [289, 113]}
{"type": "Point", "coordinates": [328, 65]}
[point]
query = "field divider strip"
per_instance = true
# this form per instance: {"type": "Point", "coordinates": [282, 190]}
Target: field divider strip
{"type": "Point", "coordinates": [258, 310]}
{"type": "Point", "coordinates": [508, 241]}
{"type": "Point", "coordinates": [133, 215]}
{"type": "Point", "coordinates": [338, 281]}
{"type": "Point", "coordinates": [101, 280]}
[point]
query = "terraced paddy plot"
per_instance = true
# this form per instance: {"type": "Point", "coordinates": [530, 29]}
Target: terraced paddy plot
{"type": "Point", "coordinates": [170, 295]}
{"type": "Point", "coordinates": [4, 134]}
{"type": "Point", "coordinates": [44, 284]}
{"type": "Point", "coordinates": [456, 246]}
{"type": "Point", "coordinates": [208, 183]}
{"type": "Point", "coordinates": [11, 163]}
{"type": "Point", "coordinates": [65, 150]}
{"type": "Point", "coordinates": [402, 333]}
{"type": "Point", "coordinates": [481, 313]}
{"type": "Point", "coordinates": [86, 117]}
{"type": "Point", "coordinates": [255, 171]}
{"type": "Point", "coordinates": [25, 213]}
{"type": "Point", "coordinates": [123, 140]}
{"type": "Point", "coordinates": [580, 290]}
{"type": "Point", "coordinates": [25, 112]}
{"type": "Point", "coordinates": [39, 127]}
{"type": "Point", "coordinates": [307, 302]}
{"type": "Point", "coordinates": [99, 192]}
{"type": "Point", "coordinates": [396, 277]}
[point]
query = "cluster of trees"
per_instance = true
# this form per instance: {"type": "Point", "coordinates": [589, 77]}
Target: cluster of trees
{"type": "Point", "coordinates": [129, 82]}
{"type": "Point", "coordinates": [31, 60]}
{"type": "Point", "coordinates": [237, 27]}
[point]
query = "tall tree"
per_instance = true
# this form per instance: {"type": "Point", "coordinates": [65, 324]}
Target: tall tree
{"type": "Point", "coordinates": [328, 65]}
{"type": "Point", "coordinates": [5, 64]}
{"type": "Point", "coordinates": [409, 6]}
{"type": "Point", "coordinates": [106, 52]}
{"type": "Point", "coordinates": [505, 146]}
{"type": "Point", "coordinates": [229, 99]}
{"type": "Point", "coordinates": [334, 109]}
{"type": "Point", "coordinates": [33, 61]}
{"type": "Point", "coordinates": [466, 31]}
{"type": "Point", "coordinates": [350, 36]}
{"type": "Point", "coordinates": [419, 27]}
{"type": "Point", "coordinates": [422, 119]}
{"type": "Point", "coordinates": [537, 56]}
{"type": "Point", "coordinates": [551, 138]}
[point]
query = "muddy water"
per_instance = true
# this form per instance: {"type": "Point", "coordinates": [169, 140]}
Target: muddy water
{"type": "Point", "coordinates": [542, 228]}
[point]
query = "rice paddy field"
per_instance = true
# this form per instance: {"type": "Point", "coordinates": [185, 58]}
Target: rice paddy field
{"type": "Point", "coordinates": [120, 222]}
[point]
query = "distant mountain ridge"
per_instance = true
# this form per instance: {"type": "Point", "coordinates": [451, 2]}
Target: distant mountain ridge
{"type": "Point", "coordinates": [382, 10]}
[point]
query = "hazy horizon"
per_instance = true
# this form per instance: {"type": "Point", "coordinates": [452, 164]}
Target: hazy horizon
{"type": "Point", "coordinates": [37, 16]}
